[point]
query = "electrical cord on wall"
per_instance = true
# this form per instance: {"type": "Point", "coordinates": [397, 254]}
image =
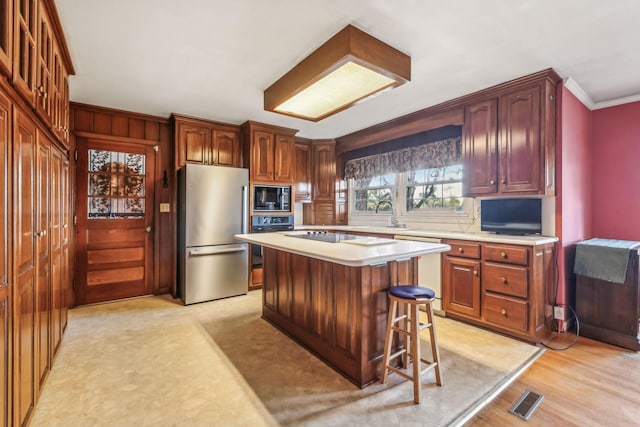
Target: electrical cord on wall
{"type": "Point", "coordinates": [556, 279]}
{"type": "Point", "coordinates": [575, 338]}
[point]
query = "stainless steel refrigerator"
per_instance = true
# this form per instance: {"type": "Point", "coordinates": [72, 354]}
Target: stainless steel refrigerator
{"type": "Point", "coordinates": [213, 206]}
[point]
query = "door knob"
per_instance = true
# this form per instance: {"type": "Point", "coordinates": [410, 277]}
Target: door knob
{"type": "Point", "coordinates": [148, 229]}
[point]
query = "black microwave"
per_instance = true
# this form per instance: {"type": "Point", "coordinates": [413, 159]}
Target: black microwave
{"type": "Point", "coordinates": [273, 198]}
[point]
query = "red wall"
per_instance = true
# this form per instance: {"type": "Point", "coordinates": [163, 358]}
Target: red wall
{"type": "Point", "coordinates": [574, 187]}
{"type": "Point", "coordinates": [615, 169]}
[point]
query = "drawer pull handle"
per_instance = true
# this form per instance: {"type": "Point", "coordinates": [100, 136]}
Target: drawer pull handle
{"type": "Point", "coordinates": [503, 255]}
{"type": "Point", "coordinates": [460, 250]}
{"type": "Point", "coordinates": [503, 312]}
{"type": "Point", "coordinates": [504, 280]}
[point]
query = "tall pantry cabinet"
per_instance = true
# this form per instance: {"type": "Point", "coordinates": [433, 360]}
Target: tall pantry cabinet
{"type": "Point", "coordinates": [35, 217]}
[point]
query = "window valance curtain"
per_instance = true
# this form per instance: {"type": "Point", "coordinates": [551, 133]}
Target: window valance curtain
{"type": "Point", "coordinates": [434, 154]}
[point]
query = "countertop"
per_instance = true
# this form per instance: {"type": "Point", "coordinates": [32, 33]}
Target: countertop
{"type": "Point", "coordinates": [351, 254]}
{"type": "Point", "coordinates": [532, 240]}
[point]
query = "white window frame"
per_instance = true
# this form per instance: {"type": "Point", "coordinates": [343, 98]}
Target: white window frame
{"type": "Point", "coordinates": [422, 216]}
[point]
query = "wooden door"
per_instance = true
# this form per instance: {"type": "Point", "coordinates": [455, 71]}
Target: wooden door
{"type": "Point", "coordinates": [43, 281]}
{"type": "Point", "coordinates": [65, 215]}
{"type": "Point", "coordinates": [303, 172]}
{"type": "Point", "coordinates": [481, 148]}
{"type": "Point", "coordinates": [44, 67]}
{"type": "Point", "coordinates": [6, 35]}
{"type": "Point", "coordinates": [324, 172]}
{"type": "Point", "coordinates": [57, 266]}
{"type": "Point", "coordinates": [225, 148]}
{"type": "Point", "coordinates": [262, 156]}
{"type": "Point", "coordinates": [24, 51]}
{"type": "Point", "coordinates": [461, 284]}
{"type": "Point", "coordinates": [194, 144]}
{"type": "Point", "coordinates": [115, 187]}
{"type": "Point", "coordinates": [520, 147]}
{"type": "Point", "coordinates": [284, 158]}
{"type": "Point", "coordinates": [6, 287]}
{"type": "Point", "coordinates": [24, 252]}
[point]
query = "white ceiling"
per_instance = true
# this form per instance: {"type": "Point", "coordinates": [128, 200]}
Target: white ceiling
{"type": "Point", "coordinates": [213, 58]}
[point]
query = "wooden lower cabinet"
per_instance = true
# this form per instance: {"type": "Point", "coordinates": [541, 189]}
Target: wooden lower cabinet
{"type": "Point", "coordinates": [337, 312]}
{"type": "Point", "coordinates": [499, 286]}
{"type": "Point", "coordinates": [26, 329]}
{"type": "Point", "coordinates": [40, 260]}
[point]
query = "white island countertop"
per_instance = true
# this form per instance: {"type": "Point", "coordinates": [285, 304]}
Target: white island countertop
{"type": "Point", "coordinates": [531, 240]}
{"type": "Point", "coordinates": [355, 253]}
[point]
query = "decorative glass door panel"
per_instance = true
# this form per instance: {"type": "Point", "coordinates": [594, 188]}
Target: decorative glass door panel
{"type": "Point", "coordinates": [116, 184]}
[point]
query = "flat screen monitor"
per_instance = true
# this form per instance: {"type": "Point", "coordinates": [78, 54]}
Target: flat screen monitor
{"type": "Point", "coordinates": [511, 216]}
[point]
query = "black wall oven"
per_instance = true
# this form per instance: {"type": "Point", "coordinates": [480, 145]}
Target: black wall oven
{"type": "Point", "coordinates": [267, 224]}
{"type": "Point", "coordinates": [272, 198]}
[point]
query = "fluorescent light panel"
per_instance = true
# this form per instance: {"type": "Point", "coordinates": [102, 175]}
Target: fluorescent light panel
{"type": "Point", "coordinates": [350, 67]}
{"type": "Point", "coordinates": [342, 87]}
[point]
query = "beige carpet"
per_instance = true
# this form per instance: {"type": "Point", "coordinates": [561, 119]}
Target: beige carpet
{"type": "Point", "coordinates": [151, 361]}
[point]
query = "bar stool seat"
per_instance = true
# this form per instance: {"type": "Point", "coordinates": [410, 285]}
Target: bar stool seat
{"type": "Point", "coordinates": [408, 326]}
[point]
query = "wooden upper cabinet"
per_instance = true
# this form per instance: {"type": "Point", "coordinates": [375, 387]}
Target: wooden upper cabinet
{"type": "Point", "coordinates": [262, 159]}
{"type": "Point", "coordinates": [324, 170]}
{"type": "Point", "coordinates": [509, 140]}
{"type": "Point", "coordinates": [521, 154]}
{"type": "Point", "coordinates": [284, 161]}
{"type": "Point", "coordinates": [226, 148]}
{"type": "Point", "coordinates": [195, 143]}
{"type": "Point", "coordinates": [205, 142]}
{"type": "Point", "coordinates": [480, 153]}
{"type": "Point", "coordinates": [269, 152]}
{"type": "Point", "coordinates": [60, 97]}
{"type": "Point", "coordinates": [6, 36]}
{"type": "Point", "coordinates": [44, 68]}
{"type": "Point", "coordinates": [303, 172]}
{"type": "Point", "coordinates": [25, 27]}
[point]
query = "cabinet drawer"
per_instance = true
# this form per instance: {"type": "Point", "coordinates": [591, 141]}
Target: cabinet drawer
{"type": "Point", "coordinates": [506, 312]}
{"type": "Point", "coordinates": [505, 279]}
{"type": "Point", "coordinates": [504, 253]}
{"type": "Point", "coordinates": [464, 249]}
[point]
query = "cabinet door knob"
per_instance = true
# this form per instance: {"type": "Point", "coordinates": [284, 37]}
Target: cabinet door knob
{"type": "Point", "coordinates": [503, 312]}
{"type": "Point", "coordinates": [503, 181]}
{"type": "Point", "coordinates": [503, 255]}
{"type": "Point", "coordinates": [504, 280]}
{"type": "Point", "coordinates": [475, 272]}
{"type": "Point", "coordinates": [460, 250]}
{"type": "Point", "coordinates": [492, 182]}
{"type": "Point", "coordinates": [148, 229]}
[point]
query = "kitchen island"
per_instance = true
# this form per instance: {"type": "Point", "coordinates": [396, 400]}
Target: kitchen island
{"type": "Point", "coordinates": [331, 297]}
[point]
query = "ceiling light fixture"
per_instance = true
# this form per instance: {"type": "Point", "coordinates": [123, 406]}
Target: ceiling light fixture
{"type": "Point", "coordinates": [350, 67]}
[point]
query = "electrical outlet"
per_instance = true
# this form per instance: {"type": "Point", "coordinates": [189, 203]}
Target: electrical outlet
{"type": "Point", "coordinates": [558, 312]}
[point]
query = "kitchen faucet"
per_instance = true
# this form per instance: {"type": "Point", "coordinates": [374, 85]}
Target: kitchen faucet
{"type": "Point", "coordinates": [394, 220]}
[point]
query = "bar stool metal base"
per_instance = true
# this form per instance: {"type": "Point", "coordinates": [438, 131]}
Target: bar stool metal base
{"type": "Point", "coordinates": [408, 326]}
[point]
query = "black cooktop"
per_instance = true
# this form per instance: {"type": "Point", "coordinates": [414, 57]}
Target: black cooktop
{"type": "Point", "coordinates": [324, 236]}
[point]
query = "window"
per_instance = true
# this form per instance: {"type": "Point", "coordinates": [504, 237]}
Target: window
{"type": "Point", "coordinates": [434, 188]}
{"type": "Point", "coordinates": [374, 194]}
{"type": "Point", "coordinates": [424, 195]}
{"type": "Point", "coordinates": [116, 185]}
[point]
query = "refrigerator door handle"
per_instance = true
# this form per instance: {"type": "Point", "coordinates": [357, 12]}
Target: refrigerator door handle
{"type": "Point", "coordinates": [245, 210]}
{"type": "Point", "coordinates": [216, 250]}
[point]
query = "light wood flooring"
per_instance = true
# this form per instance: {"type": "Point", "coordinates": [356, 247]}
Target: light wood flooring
{"type": "Point", "coordinates": [589, 384]}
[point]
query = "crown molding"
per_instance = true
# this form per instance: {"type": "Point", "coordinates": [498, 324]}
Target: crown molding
{"type": "Point", "coordinates": [618, 101]}
{"type": "Point", "coordinates": [579, 93]}
{"type": "Point", "coordinates": [582, 96]}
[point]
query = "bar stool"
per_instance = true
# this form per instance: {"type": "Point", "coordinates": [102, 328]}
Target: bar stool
{"type": "Point", "coordinates": [411, 297]}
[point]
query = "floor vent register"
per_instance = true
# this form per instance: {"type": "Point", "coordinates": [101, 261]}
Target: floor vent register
{"type": "Point", "coordinates": [526, 404]}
